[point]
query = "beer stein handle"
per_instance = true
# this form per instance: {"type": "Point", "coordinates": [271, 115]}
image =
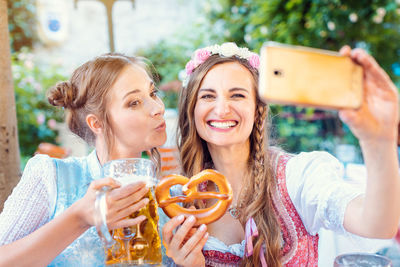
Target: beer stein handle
{"type": "Point", "coordinates": [100, 213]}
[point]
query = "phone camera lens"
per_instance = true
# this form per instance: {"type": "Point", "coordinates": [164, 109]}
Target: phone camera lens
{"type": "Point", "coordinates": [278, 73]}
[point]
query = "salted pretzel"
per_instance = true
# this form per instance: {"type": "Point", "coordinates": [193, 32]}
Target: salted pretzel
{"type": "Point", "coordinates": [189, 189]}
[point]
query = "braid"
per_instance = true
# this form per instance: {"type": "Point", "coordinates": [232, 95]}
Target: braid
{"type": "Point", "coordinates": [259, 155]}
{"type": "Point", "coordinates": [260, 205]}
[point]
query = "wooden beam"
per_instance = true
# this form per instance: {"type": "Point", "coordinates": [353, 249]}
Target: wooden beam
{"type": "Point", "coordinates": [9, 150]}
{"type": "Point", "coordinates": [109, 4]}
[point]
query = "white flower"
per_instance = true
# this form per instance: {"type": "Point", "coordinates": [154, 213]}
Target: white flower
{"type": "Point", "coordinates": [244, 52]}
{"type": "Point", "coordinates": [29, 64]}
{"type": "Point", "coordinates": [214, 49]}
{"type": "Point", "coordinates": [16, 75]}
{"type": "Point", "coordinates": [21, 56]}
{"type": "Point", "coordinates": [29, 80]}
{"type": "Point", "coordinates": [234, 10]}
{"type": "Point", "coordinates": [331, 26]}
{"type": "Point", "coordinates": [353, 17]}
{"type": "Point", "coordinates": [229, 49]}
{"type": "Point", "coordinates": [227, 33]}
{"type": "Point", "coordinates": [38, 87]}
{"type": "Point", "coordinates": [247, 38]}
{"type": "Point", "coordinates": [377, 19]}
{"type": "Point", "coordinates": [381, 12]}
{"type": "Point", "coordinates": [264, 30]}
{"type": "Point", "coordinates": [182, 75]}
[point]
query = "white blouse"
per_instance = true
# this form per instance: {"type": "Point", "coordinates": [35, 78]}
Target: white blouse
{"type": "Point", "coordinates": [318, 192]}
{"type": "Point", "coordinates": [31, 202]}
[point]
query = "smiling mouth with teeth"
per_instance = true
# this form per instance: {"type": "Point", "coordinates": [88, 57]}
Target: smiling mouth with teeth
{"type": "Point", "coordinates": [222, 125]}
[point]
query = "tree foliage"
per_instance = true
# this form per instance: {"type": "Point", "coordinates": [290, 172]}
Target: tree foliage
{"type": "Point", "coordinates": [21, 23]}
{"type": "Point", "coordinates": [37, 119]}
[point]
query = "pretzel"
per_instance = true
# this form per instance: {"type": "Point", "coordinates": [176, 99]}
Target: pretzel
{"type": "Point", "coordinates": [203, 216]}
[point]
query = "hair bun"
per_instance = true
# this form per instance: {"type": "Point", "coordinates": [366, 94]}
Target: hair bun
{"type": "Point", "coordinates": [63, 94]}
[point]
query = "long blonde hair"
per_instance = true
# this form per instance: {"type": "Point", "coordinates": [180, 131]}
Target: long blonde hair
{"type": "Point", "coordinates": [194, 155]}
{"type": "Point", "coordinates": [87, 92]}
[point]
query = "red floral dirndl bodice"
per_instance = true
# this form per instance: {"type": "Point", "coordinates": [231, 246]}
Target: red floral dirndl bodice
{"type": "Point", "coordinates": [299, 247]}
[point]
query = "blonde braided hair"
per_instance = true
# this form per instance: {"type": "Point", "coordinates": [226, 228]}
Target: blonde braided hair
{"type": "Point", "coordinates": [260, 205]}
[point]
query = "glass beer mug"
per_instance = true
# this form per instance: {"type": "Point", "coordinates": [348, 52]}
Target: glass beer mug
{"type": "Point", "coordinates": [138, 244]}
{"type": "Point", "coordinates": [361, 260]}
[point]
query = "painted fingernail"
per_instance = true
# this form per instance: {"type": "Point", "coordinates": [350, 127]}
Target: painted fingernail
{"type": "Point", "coordinates": [202, 227]}
{"type": "Point", "coordinates": [180, 218]}
{"type": "Point", "coordinates": [206, 235]}
{"type": "Point", "coordinates": [191, 218]}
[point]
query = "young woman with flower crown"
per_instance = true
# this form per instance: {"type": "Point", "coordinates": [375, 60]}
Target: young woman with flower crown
{"type": "Point", "coordinates": [280, 200]}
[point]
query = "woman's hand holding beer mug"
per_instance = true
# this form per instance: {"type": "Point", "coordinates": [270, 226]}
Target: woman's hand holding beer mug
{"type": "Point", "coordinates": [124, 212]}
{"type": "Point", "coordinates": [121, 202]}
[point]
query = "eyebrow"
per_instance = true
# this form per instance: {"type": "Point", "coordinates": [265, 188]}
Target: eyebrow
{"type": "Point", "coordinates": [235, 89]}
{"type": "Point", "coordinates": [135, 91]}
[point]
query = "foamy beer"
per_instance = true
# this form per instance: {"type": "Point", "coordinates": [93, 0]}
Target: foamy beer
{"type": "Point", "coordinates": [139, 244]}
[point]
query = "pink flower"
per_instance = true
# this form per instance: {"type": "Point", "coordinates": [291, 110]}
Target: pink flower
{"type": "Point", "coordinates": [189, 67]}
{"type": "Point", "coordinates": [40, 118]}
{"type": "Point", "coordinates": [201, 55]}
{"type": "Point", "coordinates": [254, 60]}
{"type": "Point", "coordinates": [52, 124]}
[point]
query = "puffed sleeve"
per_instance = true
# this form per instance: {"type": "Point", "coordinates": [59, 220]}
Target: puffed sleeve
{"type": "Point", "coordinates": [318, 191]}
{"type": "Point", "coordinates": [31, 202]}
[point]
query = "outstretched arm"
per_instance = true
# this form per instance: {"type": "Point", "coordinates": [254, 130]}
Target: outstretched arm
{"type": "Point", "coordinates": [377, 213]}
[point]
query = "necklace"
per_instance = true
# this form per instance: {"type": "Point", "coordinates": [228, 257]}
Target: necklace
{"type": "Point", "coordinates": [233, 210]}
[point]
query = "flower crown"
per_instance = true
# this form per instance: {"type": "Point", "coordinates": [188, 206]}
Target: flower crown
{"type": "Point", "coordinates": [225, 50]}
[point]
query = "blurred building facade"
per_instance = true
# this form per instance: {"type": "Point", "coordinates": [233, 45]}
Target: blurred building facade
{"type": "Point", "coordinates": [135, 26]}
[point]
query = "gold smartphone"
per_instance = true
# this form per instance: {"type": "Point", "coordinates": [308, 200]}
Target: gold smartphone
{"type": "Point", "coordinates": [296, 75]}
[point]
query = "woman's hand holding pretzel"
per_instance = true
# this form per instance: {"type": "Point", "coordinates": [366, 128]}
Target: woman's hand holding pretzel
{"type": "Point", "coordinates": [186, 244]}
{"type": "Point", "coordinates": [191, 193]}
{"type": "Point", "coordinates": [183, 241]}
